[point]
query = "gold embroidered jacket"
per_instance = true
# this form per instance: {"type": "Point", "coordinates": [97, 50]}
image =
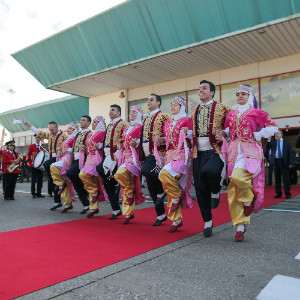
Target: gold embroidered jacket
{"type": "Point", "coordinates": [217, 119]}
{"type": "Point", "coordinates": [54, 141]}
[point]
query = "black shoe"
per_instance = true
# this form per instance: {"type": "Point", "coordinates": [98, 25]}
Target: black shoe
{"type": "Point", "coordinates": [215, 202]}
{"type": "Point", "coordinates": [12, 198]}
{"type": "Point", "coordinates": [158, 222]}
{"type": "Point", "coordinates": [33, 196]}
{"type": "Point", "coordinates": [160, 200]}
{"type": "Point", "coordinates": [208, 231]}
{"type": "Point", "coordinates": [6, 198]}
{"type": "Point", "coordinates": [115, 216]}
{"type": "Point", "coordinates": [50, 195]}
{"type": "Point", "coordinates": [84, 211]}
{"type": "Point", "coordinates": [278, 196]}
{"type": "Point", "coordinates": [288, 197]}
{"type": "Point", "coordinates": [40, 196]}
{"type": "Point", "coordinates": [56, 206]}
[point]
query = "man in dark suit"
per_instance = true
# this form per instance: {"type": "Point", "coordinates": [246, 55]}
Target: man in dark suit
{"type": "Point", "coordinates": [36, 174]}
{"type": "Point", "coordinates": [281, 157]}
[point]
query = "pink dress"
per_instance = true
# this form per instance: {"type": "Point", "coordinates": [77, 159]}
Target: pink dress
{"type": "Point", "coordinates": [129, 157]}
{"type": "Point", "coordinates": [179, 155]}
{"type": "Point", "coordinates": [241, 133]}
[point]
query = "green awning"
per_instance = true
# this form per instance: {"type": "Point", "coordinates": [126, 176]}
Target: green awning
{"type": "Point", "coordinates": [139, 30]}
{"type": "Point", "coordinates": [63, 111]}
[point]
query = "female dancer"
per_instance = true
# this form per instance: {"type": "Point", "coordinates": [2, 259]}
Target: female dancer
{"type": "Point", "coordinates": [176, 176]}
{"type": "Point", "coordinates": [88, 175]}
{"type": "Point", "coordinates": [129, 171]}
{"type": "Point", "coordinates": [59, 168]}
{"type": "Point", "coordinates": [245, 126]}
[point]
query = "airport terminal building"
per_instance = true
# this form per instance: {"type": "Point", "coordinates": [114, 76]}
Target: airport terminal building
{"type": "Point", "coordinates": [167, 46]}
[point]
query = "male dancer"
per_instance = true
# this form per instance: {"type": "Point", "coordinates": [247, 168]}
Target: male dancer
{"type": "Point", "coordinates": [207, 164]}
{"type": "Point", "coordinates": [79, 145]}
{"type": "Point", "coordinates": [152, 129]}
{"type": "Point", "coordinates": [55, 138]}
{"type": "Point", "coordinates": [108, 166]}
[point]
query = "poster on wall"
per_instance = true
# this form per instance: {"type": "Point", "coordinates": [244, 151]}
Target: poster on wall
{"type": "Point", "coordinates": [280, 94]}
{"type": "Point", "coordinates": [229, 90]}
{"type": "Point", "coordinates": [194, 100]}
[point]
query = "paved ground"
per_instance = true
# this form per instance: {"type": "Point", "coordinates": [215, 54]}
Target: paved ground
{"type": "Point", "coordinates": [193, 268]}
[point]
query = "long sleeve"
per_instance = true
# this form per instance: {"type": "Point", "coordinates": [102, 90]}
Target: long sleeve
{"type": "Point", "coordinates": [298, 142]}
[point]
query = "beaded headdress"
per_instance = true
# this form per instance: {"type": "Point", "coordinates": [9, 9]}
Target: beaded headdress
{"type": "Point", "coordinates": [100, 119]}
{"type": "Point", "coordinates": [246, 88]}
{"type": "Point", "coordinates": [180, 100]}
{"type": "Point", "coordinates": [137, 108]}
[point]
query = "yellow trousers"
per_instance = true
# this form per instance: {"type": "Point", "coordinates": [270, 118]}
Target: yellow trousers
{"type": "Point", "coordinates": [60, 180]}
{"type": "Point", "coordinates": [90, 183]}
{"type": "Point", "coordinates": [172, 189]}
{"type": "Point", "coordinates": [239, 191]}
{"type": "Point", "coordinates": [124, 177]}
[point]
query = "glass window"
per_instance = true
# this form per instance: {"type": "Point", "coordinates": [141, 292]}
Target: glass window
{"type": "Point", "coordinates": [228, 91]}
{"type": "Point", "coordinates": [28, 139]}
{"type": "Point", "coordinates": [193, 99]}
{"type": "Point", "coordinates": [22, 141]}
{"type": "Point", "coordinates": [280, 94]}
{"type": "Point", "coordinates": [16, 139]}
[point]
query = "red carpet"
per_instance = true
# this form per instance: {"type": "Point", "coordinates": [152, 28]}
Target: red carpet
{"type": "Point", "coordinates": [35, 258]}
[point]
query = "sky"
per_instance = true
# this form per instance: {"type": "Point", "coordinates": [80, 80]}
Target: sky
{"type": "Point", "coordinates": [25, 22]}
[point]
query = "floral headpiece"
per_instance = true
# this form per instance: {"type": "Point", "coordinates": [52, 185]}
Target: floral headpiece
{"type": "Point", "coordinates": [137, 108]}
{"type": "Point", "coordinates": [180, 100]}
{"type": "Point", "coordinates": [74, 126]}
{"type": "Point", "coordinates": [246, 88]}
{"type": "Point", "coordinates": [100, 119]}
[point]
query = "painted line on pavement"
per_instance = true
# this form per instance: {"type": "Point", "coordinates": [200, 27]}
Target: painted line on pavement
{"type": "Point", "coordinates": [281, 288]}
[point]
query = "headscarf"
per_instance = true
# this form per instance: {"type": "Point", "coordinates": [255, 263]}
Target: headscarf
{"type": "Point", "coordinates": [182, 112]}
{"type": "Point", "coordinates": [246, 88]}
{"type": "Point", "coordinates": [76, 129]}
{"type": "Point", "coordinates": [101, 125]}
{"type": "Point", "coordinates": [138, 119]}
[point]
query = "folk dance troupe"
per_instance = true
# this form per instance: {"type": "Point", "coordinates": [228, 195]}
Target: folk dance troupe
{"type": "Point", "coordinates": [172, 152]}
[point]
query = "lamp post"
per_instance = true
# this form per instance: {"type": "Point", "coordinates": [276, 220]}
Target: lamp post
{"type": "Point", "coordinates": [11, 92]}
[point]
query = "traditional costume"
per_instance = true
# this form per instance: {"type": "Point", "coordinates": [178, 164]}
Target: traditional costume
{"type": "Point", "coordinates": [108, 166]}
{"type": "Point", "coordinates": [246, 126]}
{"type": "Point", "coordinates": [88, 175]}
{"type": "Point", "coordinates": [54, 147]}
{"type": "Point", "coordinates": [77, 161]}
{"type": "Point", "coordinates": [176, 175]}
{"type": "Point", "coordinates": [153, 126]}
{"type": "Point", "coordinates": [129, 167]}
{"type": "Point", "coordinates": [207, 161]}
{"type": "Point", "coordinates": [10, 175]}
{"type": "Point", "coordinates": [59, 169]}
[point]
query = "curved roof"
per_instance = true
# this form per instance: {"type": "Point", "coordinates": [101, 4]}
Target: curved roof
{"type": "Point", "coordinates": [140, 31]}
{"type": "Point", "coordinates": [63, 111]}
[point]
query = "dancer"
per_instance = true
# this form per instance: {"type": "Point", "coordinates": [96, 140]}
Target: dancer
{"type": "Point", "coordinates": [11, 169]}
{"type": "Point", "coordinates": [88, 175]}
{"type": "Point", "coordinates": [77, 160]}
{"type": "Point", "coordinates": [207, 161]}
{"type": "Point", "coordinates": [176, 175]}
{"type": "Point", "coordinates": [108, 166]}
{"type": "Point", "coordinates": [153, 127]}
{"type": "Point", "coordinates": [245, 126]}
{"type": "Point", "coordinates": [59, 169]}
{"type": "Point", "coordinates": [55, 138]}
{"type": "Point", "coordinates": [129, 171]}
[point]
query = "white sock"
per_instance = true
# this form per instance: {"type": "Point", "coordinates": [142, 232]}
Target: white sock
{"type": "Point", "coordinates": [160, 195]}
{"type": "Point", "coordinates": [130, 195]}
{"type": "Point", "coordinates": [247, 203]}
{"type": "Point", "coordinates": [208, 224]}
{"type": "Point", "coordinates": [60, 186]}
{"type": "Point", "coordinates": [94, 194]}
{"type": "Point", "coordinates": [241, 228]}
{"type": "Point", "coordinates": [175, 201]}
{"type": "Point", "coordinates": [85, 207]}
{"type": "Point", "coordinates": [115, 212]}
{"type": "Point", "coordinates": [215, 195]}
{"type": "Point", "coordinates": [68, 205]}
{"type": "Point", "coordinates": [56, 204]}
{"type": "Point", "coordinates": [161, 217]}
{"type": "Point", "coordinates": [177, 222]}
